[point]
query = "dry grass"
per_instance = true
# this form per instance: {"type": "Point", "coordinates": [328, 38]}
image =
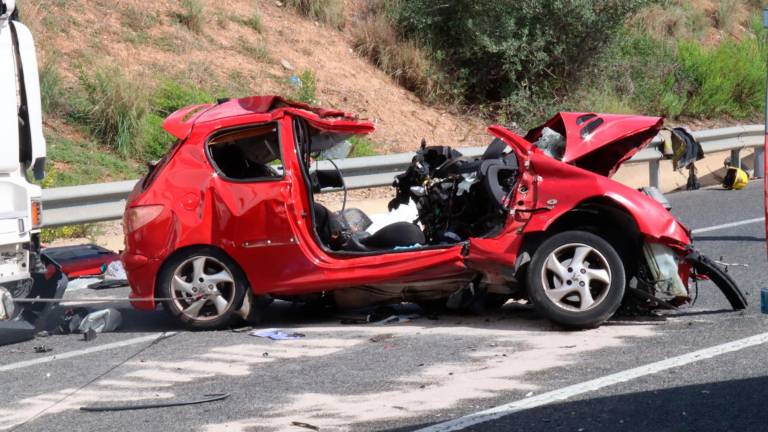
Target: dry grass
{"type": "Point", "coordinates": [329, 12]}
{"type": "Point", "coordinates": [673, 20]}
{"type": "Point", "coordinates": [375, 39]}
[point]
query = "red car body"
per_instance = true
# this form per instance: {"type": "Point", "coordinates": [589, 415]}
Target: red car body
{"type": "Point", "coordinates": [266, 228]}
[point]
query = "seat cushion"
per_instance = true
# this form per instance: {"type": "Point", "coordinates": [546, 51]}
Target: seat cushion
{"type": "Point", "coordinates": [398, 234]}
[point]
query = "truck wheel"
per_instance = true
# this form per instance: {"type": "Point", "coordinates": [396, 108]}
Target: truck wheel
{"type": "Point", "coordinates": [204, 288]}
{"type": "Point", "coordinates": [576, 279]}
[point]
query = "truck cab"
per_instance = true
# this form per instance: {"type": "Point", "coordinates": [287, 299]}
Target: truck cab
{"type": "Point", "coordinates": [22, 153]}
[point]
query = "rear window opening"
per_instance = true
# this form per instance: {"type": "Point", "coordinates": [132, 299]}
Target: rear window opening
{"type": "Point", "coordinates": [251, 153]}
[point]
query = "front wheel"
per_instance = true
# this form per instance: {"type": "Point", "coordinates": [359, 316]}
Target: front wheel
{"type": "Point", "coordinates": [576, 279]}
{"type": "Point", "coordinates": [203, 288]}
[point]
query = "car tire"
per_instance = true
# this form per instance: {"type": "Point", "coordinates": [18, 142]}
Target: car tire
{"type": "Point", "coordinates": [202, 288]}
{"type": "Point", "coordinates": [576, 279]}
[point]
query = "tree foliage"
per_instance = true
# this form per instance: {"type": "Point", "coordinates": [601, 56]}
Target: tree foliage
{"type": "Point", "coordinates": [497, 49]}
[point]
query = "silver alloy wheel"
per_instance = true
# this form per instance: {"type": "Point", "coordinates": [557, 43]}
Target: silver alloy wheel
{"type": "Point", "coordinates": [202, 288]}
{"type": "Point", "coordinates": [576, 277]}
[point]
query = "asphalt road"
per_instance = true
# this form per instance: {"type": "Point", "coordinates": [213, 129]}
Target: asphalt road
{"type": "Point", "coordinates": [425, 373]}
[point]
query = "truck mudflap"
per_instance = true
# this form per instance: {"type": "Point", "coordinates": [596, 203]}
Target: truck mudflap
{"type": "Point", "coordinates": [707, 267]}
{"type": "Point", "coordinates": [31, 318]}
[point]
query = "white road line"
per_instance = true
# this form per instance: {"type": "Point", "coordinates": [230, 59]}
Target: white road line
{"type": "Point", "coordinates": [77, 353]}
{"type": "Point", "coordinates": [595, 384]}
{"type": "Point", "coordinates": [728, 225]}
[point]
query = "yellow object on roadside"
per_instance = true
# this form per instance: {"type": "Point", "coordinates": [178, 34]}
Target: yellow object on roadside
{"type": "Point", "coordinates": [735, 178]}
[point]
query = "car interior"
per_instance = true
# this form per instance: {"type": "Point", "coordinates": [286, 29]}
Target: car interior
{"type": "Point", "coordinates": [250, 153]}
{"type": "Point", "coordinates": [469, 198]}
{"type": "Point", "coordinates": [344, 230]}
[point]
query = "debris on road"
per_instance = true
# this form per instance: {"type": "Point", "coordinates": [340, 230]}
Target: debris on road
{"type": "Point", "coordinates": [397, 319]}
{"type": "Point", "coordinates": [391, 314]}
{"type": "Point", "coordinates": [205, 399]}
{"type": "Point", "coordinates": [82, 260]}
{"type": "Point", "coordinates": [89, 335]}
{"type": "Point", "coordinates": [30, 318]}
{"type": "Point", "coordinates": [381, 337]}
{"type": "Point", "coordinates": [275, 334]}
{"type": "Point", "coordinates": [305, 425]}
{"type": "Point", "coordinates": [41, 349]}
{"type": "Point", "coordinates": [103, 321]}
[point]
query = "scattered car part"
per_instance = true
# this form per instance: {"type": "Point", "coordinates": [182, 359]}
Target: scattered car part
{"type": "Point", "coordinates": [647, 296]}
{"type": "Point", "coordinates": [305, 425]}
{"type": "Point", "coordinates": [707, 267]}
{"type": "Point", "coordinates": [277, 335]}
{"type": "Point", "coordinates": [663, 269]}
{"type": "Point", "coordinates": [131, 407]}
{"type": "Point", "coordinates": [82, 260]}
{"type": "Point", "coordinates": [102, 321]}
{"type": "Point", "coordinates": [33, 315]}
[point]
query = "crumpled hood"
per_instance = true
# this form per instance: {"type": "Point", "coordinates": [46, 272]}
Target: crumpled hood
{"type": "Point", "coordinates": [600, 143]}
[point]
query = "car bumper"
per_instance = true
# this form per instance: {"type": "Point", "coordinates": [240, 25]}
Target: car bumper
{"type": "Point", "coordinates": [142, 274]}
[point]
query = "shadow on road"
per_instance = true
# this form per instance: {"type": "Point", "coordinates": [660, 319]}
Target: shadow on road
{"type": "Point", "coordinates": [720, 406]}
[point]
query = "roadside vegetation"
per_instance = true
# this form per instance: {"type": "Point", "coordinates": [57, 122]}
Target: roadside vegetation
{"type": "Point", "coordinates": [665, 57]}
{"type": "Point", "coordinates": [330, 12]}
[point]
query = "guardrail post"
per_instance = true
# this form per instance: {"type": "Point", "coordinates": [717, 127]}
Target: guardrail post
{"type": "Point", "coordinates": [759, 162]}
{"type": "Point", "coordinates": [653, 173]}
{"type": "Point", "coordinates": [735, 162]}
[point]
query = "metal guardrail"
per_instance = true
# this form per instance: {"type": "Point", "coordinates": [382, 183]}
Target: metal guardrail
{"type": "Point", "coordinates": [106, 201]}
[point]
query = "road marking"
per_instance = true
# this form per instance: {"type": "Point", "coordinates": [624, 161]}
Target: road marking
{"type": "Point", "coordinates": [728, 225]}
{"type": "Point", "coordinates": [77, 353]}
{"type": "Point", "coordinates": [595, 384]}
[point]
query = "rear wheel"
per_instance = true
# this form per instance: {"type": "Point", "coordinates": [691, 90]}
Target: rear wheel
{"type": "Point", "coordinates": [576, 279]}
{"type": "Point", "coordinates": [203, 288]}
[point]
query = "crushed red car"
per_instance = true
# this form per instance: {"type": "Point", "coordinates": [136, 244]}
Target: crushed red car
{"type": "Point", "coordinates": [227, 220]}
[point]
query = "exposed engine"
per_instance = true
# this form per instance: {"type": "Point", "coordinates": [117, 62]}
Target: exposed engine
{"type": "Point", "coordinates": [458, 198]}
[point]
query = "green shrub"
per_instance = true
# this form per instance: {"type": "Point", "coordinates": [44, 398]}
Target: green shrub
{"type": "Point", "coordinates": [508, 51]}
{"type": "Point", "coordinates": [52, 94]}
{"type": "Point", "coordinates": [362, 146]}
{"type": "Point", "coordinates": [728, 79]}
{"type": "Point", "coordinates": [636, 73]}
{"type": "Point", "coordinates": [112, 109]}
{"type": "Point", "coordinates": [375, 39]}
{"type": "Point", "coordinates": [172, 95]}
{"type": "Point", "coordinates": [79, 162]}
{"type": "Point", "coordinates": [304, 88]}
{"type": "Point", "coordinates": [192, 15]}
{"type": "Point", "coordinates": [330, 12]}
{"type": "Point", "coordinates": [48, 235]}
{"type": "Point", "coordinates": [169, 97]}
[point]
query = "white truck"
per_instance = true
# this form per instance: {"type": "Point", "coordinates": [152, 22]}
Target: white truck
{"type": "Point", "coordinates": [24, 273]}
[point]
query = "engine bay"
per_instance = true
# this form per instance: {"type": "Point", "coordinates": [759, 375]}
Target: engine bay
{"type": "Point", "coordinates": [458, 198]}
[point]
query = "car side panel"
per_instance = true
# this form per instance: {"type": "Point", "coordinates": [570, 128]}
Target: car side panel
{"type": "Point", "coordinates": [561, 187]}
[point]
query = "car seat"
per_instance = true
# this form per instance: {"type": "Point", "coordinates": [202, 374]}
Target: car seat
{"type": "Point", "coordinates": [334, 231]}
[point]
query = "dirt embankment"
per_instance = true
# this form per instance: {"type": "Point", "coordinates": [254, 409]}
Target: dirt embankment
{"type": "Point", "coordinates": [149, 41]}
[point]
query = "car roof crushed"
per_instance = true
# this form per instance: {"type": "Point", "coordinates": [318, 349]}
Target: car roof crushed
{"type": "Point", "coordinates": [181, 122]}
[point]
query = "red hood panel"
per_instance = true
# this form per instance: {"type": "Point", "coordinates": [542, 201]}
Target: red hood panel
{"type": "Point", "coordinates": [600, 142]}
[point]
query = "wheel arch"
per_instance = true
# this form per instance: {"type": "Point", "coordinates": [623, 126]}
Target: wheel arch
{"type": "Point", "coordinates": [603, 216]}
